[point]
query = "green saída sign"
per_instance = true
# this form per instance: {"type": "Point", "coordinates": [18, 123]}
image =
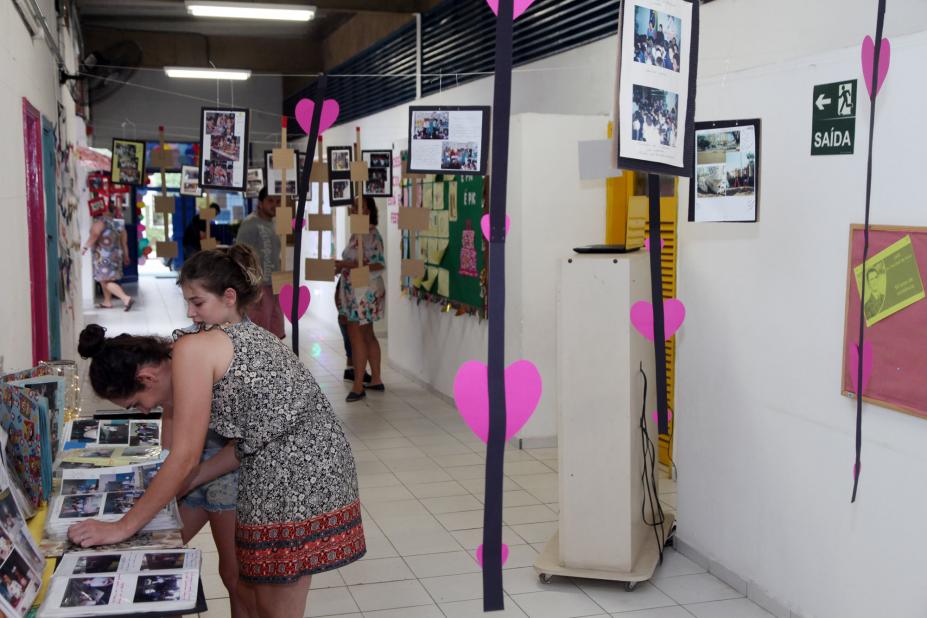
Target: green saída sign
{"type": "Point", "coordinates": [833, 118]}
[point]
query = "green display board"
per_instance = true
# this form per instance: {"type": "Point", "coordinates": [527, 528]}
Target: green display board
{"type": "Point", "coordinates": [453, 247]}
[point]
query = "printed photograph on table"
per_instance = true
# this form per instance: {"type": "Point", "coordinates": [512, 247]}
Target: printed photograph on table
{"type": "Point", "coordinates": [88, 591]}
{"type": "Point", "coordinates": [448, 140]}
{"type": "Point", "coordinates": [105, 563]}
{"type": "Point", "coordinates": [114, 432]}
{"type": "Point", "coordinates": [224, 147]}
{"type": "Point", "coordinates": [128, 164]}
{"type": "Point", "coordinates": [190, 180]}
{"type": "Point", "coordinates": [655, 95]}
{"type": "Point", "coordinates": [725, 183]}
{"type": "Point", "coordinates": [380, 173]}
{"type": "Point", "coordinates": [19, 584]}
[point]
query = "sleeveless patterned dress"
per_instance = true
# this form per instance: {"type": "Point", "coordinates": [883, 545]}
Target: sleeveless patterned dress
{"type": "Point", "coordinates": [298, 506]}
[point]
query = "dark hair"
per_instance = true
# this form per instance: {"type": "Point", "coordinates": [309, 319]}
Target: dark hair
{"type": "Point", "coordinates": [262, 194]}
{"type": "Point", "coordinates": [116, 360]}
{"type": "Point", "coordinates": [371, 205]}
{"type": "Point", "coordinates": [220, 269]}
{"type": "Point", "coordinates": [216, 207]}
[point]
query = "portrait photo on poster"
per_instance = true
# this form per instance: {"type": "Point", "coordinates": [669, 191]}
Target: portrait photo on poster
{"type": "Point", "coordinates": [725, 184]}
{"type": "Point", "coordinates": [224, 148]}
{"type": "Point", "coordinates": [128, 164]}
{"type": "Point", "coordinates": [655, 97]}
{"type": "Point", "coordinates": [449, 140]}
{"type": "Point", "coordinates": [380, 173]}
{"type": "Point", "coordinates": [340, 186]}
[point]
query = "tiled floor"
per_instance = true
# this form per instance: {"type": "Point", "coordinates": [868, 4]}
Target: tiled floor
{"type": "Point", "coordinates": [421, 477]}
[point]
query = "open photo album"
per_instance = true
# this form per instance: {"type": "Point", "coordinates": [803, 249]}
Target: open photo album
{"type": "Point", "coordinates": [21, 562]}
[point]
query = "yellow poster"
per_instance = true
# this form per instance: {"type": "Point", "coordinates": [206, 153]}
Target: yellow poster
{"type": "Point", "coordinates": [893, 281]}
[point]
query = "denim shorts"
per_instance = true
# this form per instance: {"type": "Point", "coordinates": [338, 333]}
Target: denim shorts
{"type": "Point", "coordinates": [220, 494]}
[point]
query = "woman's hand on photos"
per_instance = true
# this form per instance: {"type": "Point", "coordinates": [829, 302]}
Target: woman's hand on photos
{"type": "Point", "coordinates": [94, 532]}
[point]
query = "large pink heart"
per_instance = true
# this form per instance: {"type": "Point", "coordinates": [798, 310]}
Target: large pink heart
{"type": "Point", "coordinates": [286, 300]}
{"type": "Point", "coordinates": [522, 394]}
{"type": "Point", "coordinates": [484, 225]}
{"type": "Point", "coordinates": [674, 314]}
{"type": "Point", "coordinates": [854, 364]}
{"type": "Point", "coordinates": [518, 8]}
{"type": "Point", "coordinates": [304, 109]}
{"type": "Point", "coordinates": [479, 554]}
{"type": "Point", "coordinates": [868, 55]}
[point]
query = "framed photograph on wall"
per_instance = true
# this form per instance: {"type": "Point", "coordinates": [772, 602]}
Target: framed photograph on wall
{"type": "Point", "coordinates": [340, 187]}
{"type": "Point", "coordinates": [449, 140]}
{"type": "Point", "coordinates": [224, 147]}
{"type": "Point", "coordinates": [178, 155]}
{"type": "Point", "coordinates": [380, 173]}
{"type": "Point", "coordinates": [190, 180]}
{"type": "Point", "coordinates": [128, 165]}
{"type": "Point", "coordinates": [655, 98]}
{"type": "Point", "coordinates": [725, 183]}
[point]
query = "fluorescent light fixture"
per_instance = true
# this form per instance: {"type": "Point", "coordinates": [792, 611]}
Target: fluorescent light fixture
{"type": "Point", "coordinates": [191, 73]}
{"type": "Point", "coordinates": [250, 10]}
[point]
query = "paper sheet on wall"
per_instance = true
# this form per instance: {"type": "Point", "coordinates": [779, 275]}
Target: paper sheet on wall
{"type": "Point", "coordinates": [444, 282]}
{"type": "Point", "coordinates": [452, 200]}
{"type": "Point", "coordinates": [443, 224]}
{"type": "Point", "coordinates": [439, 196]}
{"type": "Point", "coordinates": [429, 193]}
{"type": "Point", "coordinates": [893, 281]}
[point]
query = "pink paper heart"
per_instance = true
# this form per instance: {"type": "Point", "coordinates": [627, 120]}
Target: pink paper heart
{"type": "Point", "coordinates": [868, 56]}
{"type": "Point", "coordinates": [656, 417]}
{"type": "Point", "coordinates": [674, 314]}
{"type": "Point", "coordinates": [647, 243]}
{"type": "Point", "coordinates": [519, 7]}
{"type": "Point", "coordinates": [484, 225]}
{"type": "Point", "coordinates": [522, 394]}
{"type": "Point", "coordinates": [293, 224]}
{"type": "Point", "coordinates": [286, 300]}
{"type": "Point", "coordinates": [479, 554]}
{"type": "Point", "coordinates": [304, 109]}
{"type": "Point", "coordinates": [854, 364]}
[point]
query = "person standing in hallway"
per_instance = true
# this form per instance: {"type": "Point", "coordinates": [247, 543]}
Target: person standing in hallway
{"type": "Point", "coordinates": [195, 232]}
{"type": "Point", "coordinates": [110, 247]}
{"type": "Point", "coordinates": [363, 307]}
{"type": "Point", "coordinates": [258, 232]}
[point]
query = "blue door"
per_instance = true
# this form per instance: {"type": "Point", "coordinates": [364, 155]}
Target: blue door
{"type": "Point", "coordinates": [53, 278]}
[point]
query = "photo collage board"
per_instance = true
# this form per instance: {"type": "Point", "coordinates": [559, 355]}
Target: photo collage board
{"type": "Point", "coordinates": [453, 247]}
{"type": "Point", "coordinates": [224, 147]}
{"type": "Point", "coordinates": [340, 186]}
{"type": "Point", "coordinates": [449, 140]}
{"type": "Point", "coordinates": [725, 185]}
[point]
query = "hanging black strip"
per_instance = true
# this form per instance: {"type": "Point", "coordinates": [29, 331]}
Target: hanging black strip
{"type": "Point", "coordinates": [880, 22]}
{"type": "Point", "coordinates": [656, 299]}
{"type": "Point", "coordinates": [493, 599]}
{"type": "Point", "coordinates": [302, 190]}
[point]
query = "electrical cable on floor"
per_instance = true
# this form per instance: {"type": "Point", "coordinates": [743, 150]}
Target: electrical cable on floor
{"type": "Point", "coordinates": [648, 478]}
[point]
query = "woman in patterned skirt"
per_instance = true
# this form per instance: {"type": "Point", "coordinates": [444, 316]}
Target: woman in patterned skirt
{"type": "Point", "coordinates": [110, 254]}
{"type": "Point", "coordinates": [298, 507]}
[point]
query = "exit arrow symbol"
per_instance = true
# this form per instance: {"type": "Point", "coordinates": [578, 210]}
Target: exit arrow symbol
{"type": "Point", "coordinates": [821, 102]}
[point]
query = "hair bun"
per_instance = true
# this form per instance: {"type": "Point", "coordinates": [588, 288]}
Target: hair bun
{"type": "Point", "coordinates": [92, 340]}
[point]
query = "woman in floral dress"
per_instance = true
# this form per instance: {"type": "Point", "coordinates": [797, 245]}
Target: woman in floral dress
{"type": "Point", "coordinates": [363, 307]}
{"type": "Point", "coordinates": [110, 254]}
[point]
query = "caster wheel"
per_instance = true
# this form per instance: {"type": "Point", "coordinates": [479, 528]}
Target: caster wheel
{"type": "Point", "coordinates": [629, 586]}
{"type": "Point", "coordinates": [545, 578]}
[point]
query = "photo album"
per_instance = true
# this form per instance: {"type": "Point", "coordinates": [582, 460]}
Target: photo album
{"type": "Point", "coordinates": [89, 432]}
{"type": "Point", "coordinates": [97, 583]}
{"type": "Point", "coordinates": [25, 417]}
{"type": "Point", "coordinates": [21, 562]}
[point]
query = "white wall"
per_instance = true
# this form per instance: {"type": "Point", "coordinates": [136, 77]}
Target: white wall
{"type": "Point", "coordinates": [27, 69]}
{"type": "Point", "coordinates": [765, 440]}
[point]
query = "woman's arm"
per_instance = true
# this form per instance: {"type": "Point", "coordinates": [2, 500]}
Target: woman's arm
{"type": "Point", "coordinates": [124, 236]}
{"type": "Point", "coordinates": [196, 364]}
{"type": "Point", "coordinates": [95, 230]}
{"type": "Point", "coordinates": [221, 463]}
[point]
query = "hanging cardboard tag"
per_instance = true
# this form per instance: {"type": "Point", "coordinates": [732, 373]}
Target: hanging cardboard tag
{"type": "Point", "coordinates": [283, 158]}
{"type": "Point", "coordinates": [166, 249]}
{"type": "Point", "coordinates": [283, 221]}
{"type": "Point", "coordinates": [320, 223]}
{"type": "Point", "coordinates": [414, 219]}
{"type": "Point", "coordinates": [208, 244]}
{"type": "Point", "coordinates": [359, 171]}
{"type": "Point", "coordinates": [161, 158]}
{"type": "Point", "coordinates": [164, 205]}
{"type": "Point", "coordinates": [413, 268]}
{"type": "Point", "coordinates": [360, 277]}
{"type": "Point", "coordinates": [320, 270]}
{"type": "Point", "coordinates": [360, 224]}
{"type": "Point", "coordinates": [319, 173]}
{"type": "Point", "coordinates": [280, 279]}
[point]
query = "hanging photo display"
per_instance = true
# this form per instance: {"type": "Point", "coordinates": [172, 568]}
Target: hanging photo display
{"type": "Point", "coordinates": [275, 177]}
{"type": "Point", "coordinates": [128, 166]}
{"type": "Point", "coordinates": [449, 140]}
{"type": "Point", "coordinates": [340, 187]}
{"type": "Point", "coordinates": [190, 180]}
{"type": "Point", "coordinates": [380, 173]}
{"type": "Point", "coordinates": [224, 144]}
{"type": "Point", "coordinates": [725, 184]}
{"type": "Point", "coordinates": [176, 156]}
{"type": "Point", "coordinates": [655, 101]}
{"type": "Point", "coordinates": [255, 181]}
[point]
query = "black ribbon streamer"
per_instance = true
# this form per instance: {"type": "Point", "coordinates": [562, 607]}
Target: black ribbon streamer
{"type": "Point", "coordinates": [302, 189]}
{"type": "Point", "coordinates": [493, 599]}
{"type": "Point", "coordinates": [656, 299]}
{"type": "Point", "coordinates": [880, 22]}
